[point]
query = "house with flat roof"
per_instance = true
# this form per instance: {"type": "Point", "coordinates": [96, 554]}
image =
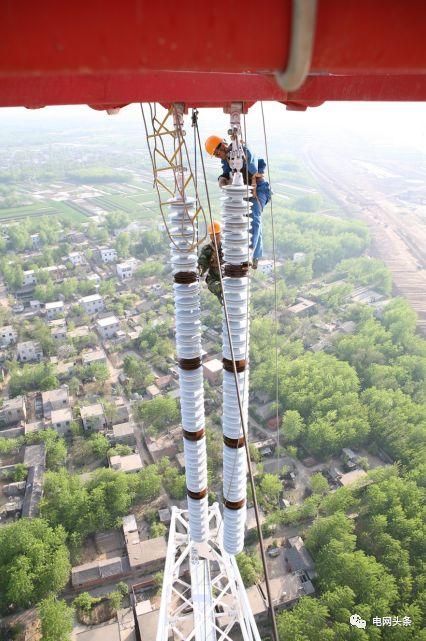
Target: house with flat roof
{"type": "Point", "coordinates": [123, 433]}
{"type": "Point", "coordinates": [126, 269]}
{"type": "Point", "coordinates": [58, 329]}
{"type": "Point", "coordinates": [121, 411]}
{"type": "Point", "coordinates": [93, 356]}
{"type": "Point", "coordinates": [54, 309]}
{"type": "Point", "coordinates": [164, 382]}
{"type": "Point", "coordinates": [303, 307]}
{"type": "Point", "coordinates": [152, 391]}
{"type": "Point", "coordinates": [8, 335]}
{"type": "Point", "coordinates": [93, 417]}
{"type": "Point", "coordinates": [286, 590]}
{"type": "Point", "coordinates": [92, 304]}
{"type": "Point", "coordinates": [127, 463]}
{"type": "Point", "coordinates": [13, 411]}
{"type": "Point", "coordinates": [29, 351]}
{"type": "Point", "coordinates": [94, 278]}
{"type": "Point", "coordinates": [55, 399]}
{"type": "Point", "coordinates": [79, 332]}
{"type": "Point", "coordinates": [355, 476]}
{"type": "Point", "coordinates": [160, 446]}
{"type": "Point", "coordinates": [108, 327]}
{"type": "Point", "coordinates": [147, 618]}
{"type": "Point", "coordinates": [55, 271]}
{"type": "Point", "coordinates": [147, 556]}
{"type": "Point", "coordinates": [108, 254]}
{"type": "Point", "coordinates": [29, 278]}
{"type": "Point", "coordinates": [76, 258]}
{"type": "Point", "coordinates": [61, 420]}
{"type": "Point", "coordinates": [213, 371]}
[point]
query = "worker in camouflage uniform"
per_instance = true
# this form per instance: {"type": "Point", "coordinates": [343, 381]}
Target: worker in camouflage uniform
{"type": "Point", "coordinates": [207, 261]}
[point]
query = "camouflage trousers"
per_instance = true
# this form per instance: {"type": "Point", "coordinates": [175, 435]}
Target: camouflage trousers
{"type": "Point", "coordinates": [215, 287]}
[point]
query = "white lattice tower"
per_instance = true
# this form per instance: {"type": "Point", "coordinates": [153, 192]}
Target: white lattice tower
{"type": "Point", "coordinates": [203, 597]}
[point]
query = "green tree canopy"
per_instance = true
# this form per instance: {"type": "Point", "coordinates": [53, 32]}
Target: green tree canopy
{"type": "Point", "coordinates": [34, 562]}
{"type": "Point", "coordinates": [56, 619]}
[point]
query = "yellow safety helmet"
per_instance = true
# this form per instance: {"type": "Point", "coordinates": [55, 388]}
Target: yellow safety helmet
{"type": "Point", "coordinates": [216, 228]}
{"type": "Point", "coordinates": [212, 143]}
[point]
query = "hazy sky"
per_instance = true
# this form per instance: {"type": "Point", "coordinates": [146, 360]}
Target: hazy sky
{"type": "Point", "coordinates": [399, 124]}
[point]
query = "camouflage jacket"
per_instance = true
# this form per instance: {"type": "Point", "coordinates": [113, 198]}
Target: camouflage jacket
{"type": "Point", "coordinates": [207, 261]}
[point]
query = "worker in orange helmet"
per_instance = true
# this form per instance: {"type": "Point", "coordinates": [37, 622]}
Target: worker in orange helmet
{"type": "Point", "coordinates": [208, 260]}
{"type": "Point", "coordinates": [253, 173]}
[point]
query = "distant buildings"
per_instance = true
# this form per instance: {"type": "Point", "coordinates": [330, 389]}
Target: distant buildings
{"type": "Point", "coordinates": [92, 304]}
{"type": "Point", "coordinates": [54, 310]}
{"type": "Point", "coordinates": [76, 258]}
{"type": "Point", "coordinates": [61, 420]}
{"type": "Point", "coordinates": [303, 307]}
{"type": "Point", "coordinates": [126, 269]}
{"type": "Point", "coordinates": [8, 335]}
{"type": "Point", "coordinates": [29, 351]}
{"type": "Point", "coordinates": [96, 573]}
{"type": "Point", "coordinates": [93, 417]}
{"type": "Point", "coordinates": [93, 356]}
{"type": "Point", "coordinates": [146, 556]}
{"type": "Point", "coordinates": [108, 327]}
{"type": "Point", "coordinates": [213, 371]}
{"type": "Point", "coordinates": [108, 254]}
{"type": "Point", "coordinates": [35, 240]}
{"type": "Point", "coordinates": [124, 434]}
{"type": "Point", "coordinates": [56, 399]}
{"type": "Point", "coordinates": [127, 463]}
{"type": "Point", "coordinates": [13, 411]}
{"type": "Point", "coordinates": [58, 329]}
{"type": "Point", "coordinates": [29, 278]}
{"type": "Point", "coordinates": [161, 446]}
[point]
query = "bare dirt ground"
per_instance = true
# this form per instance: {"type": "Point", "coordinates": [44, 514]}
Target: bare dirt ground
{"type": "Point", "coordinates": [398, 232]}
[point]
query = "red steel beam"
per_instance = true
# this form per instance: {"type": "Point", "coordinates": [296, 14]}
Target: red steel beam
{"type": "Point", "coordinates": [109, 52]}
{"type": "Point", "coordinates": [202, 89]}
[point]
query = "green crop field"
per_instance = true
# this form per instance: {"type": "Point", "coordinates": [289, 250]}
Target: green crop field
{"type": "Point", "coordinates": [37, 211]}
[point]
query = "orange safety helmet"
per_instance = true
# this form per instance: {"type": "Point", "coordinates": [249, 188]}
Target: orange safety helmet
{"type": "Point", "coordinates": [216, 228]}
{"type": "Point", "coordinates": [212, 143]}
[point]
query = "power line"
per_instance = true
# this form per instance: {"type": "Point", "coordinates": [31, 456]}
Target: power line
{"type": "Point", "coordinates": [275, 289]}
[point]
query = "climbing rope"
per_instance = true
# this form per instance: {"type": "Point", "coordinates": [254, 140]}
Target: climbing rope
{"type": "Point", "coordinates": [274, 258]}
